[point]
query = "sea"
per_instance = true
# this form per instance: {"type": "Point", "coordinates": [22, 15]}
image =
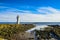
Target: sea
{"type": "Point", "coordinates": [37, 23]}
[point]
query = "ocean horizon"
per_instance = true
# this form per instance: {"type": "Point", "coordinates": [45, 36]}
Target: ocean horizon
{"type": "Point", "coordinates": [39, 23]}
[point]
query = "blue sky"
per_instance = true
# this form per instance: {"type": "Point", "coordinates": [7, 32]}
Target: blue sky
{"type": "Point", "coordinates": [29, 4]}
{"type": "Point", "coordinates": [30, 10]}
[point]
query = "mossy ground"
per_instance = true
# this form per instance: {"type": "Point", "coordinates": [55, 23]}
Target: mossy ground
{"type": "Point", "coordinates": [7, 31]}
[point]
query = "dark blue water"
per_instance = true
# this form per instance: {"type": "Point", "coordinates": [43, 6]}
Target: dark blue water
{"type": "Point", "coordinates": [39, 23]}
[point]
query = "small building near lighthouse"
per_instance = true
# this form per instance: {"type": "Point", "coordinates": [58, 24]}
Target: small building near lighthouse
{"type": "Point", "coordinates": [18, 19]}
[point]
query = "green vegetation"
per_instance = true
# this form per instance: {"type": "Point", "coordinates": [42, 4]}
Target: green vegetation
{"type": "Point", "coordinates": [56, 29]}
{"type": "Point", "coordinates": [7, 31]}
{"type": "Point", "coordinates": [1, 38]}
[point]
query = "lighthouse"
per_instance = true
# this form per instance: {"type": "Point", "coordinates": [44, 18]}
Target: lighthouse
{"type": "Point", "coordinates": [18, 19]}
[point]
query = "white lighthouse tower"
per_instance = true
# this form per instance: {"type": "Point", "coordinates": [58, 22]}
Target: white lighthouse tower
{"type": "Point", "coordinates": [18, 19]}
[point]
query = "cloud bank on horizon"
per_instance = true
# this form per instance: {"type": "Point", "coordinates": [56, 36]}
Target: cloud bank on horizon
{"type": "Point", "coordinates": [44, 14]}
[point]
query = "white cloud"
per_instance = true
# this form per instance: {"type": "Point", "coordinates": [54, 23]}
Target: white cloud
{"type": "Point", "coordinates": [51, 15]}
{"type": "Point", "coordinates": [2, 7]}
